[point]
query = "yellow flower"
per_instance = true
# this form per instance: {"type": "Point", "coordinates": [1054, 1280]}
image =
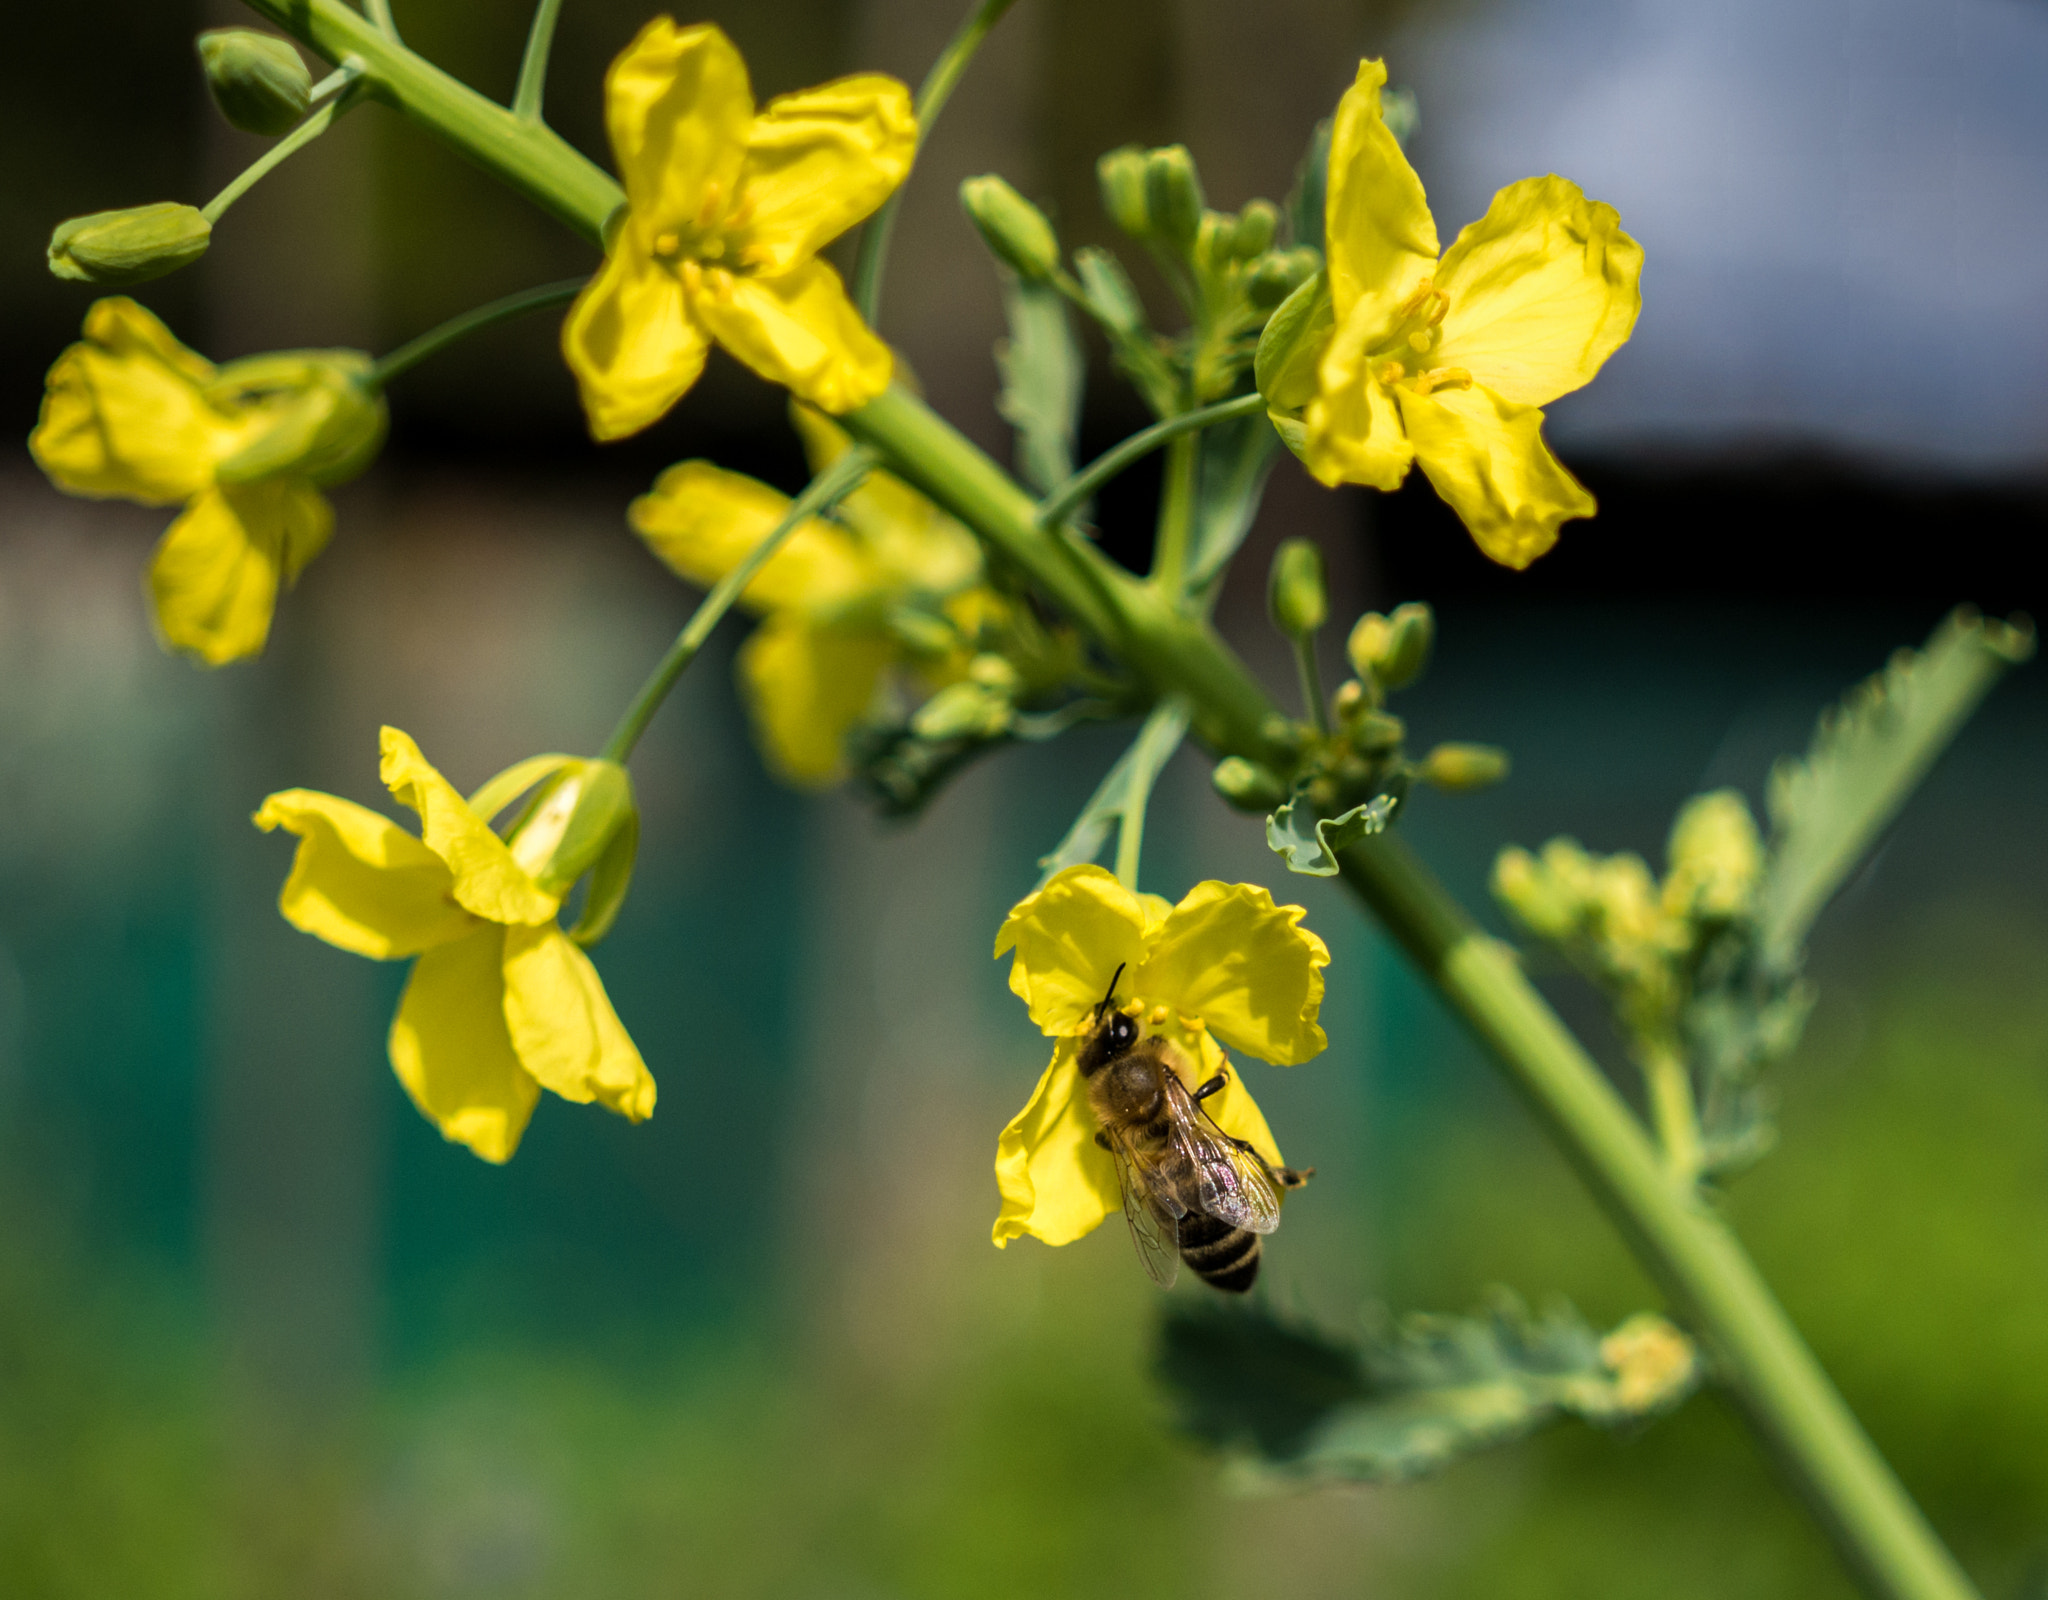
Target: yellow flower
{"type": "Point", "coordinates": [725, 213]}
{"type": "Point", "coordinates": [1445, 362]}
{"type": "Point", "coordinates": [831, 597]}
{"type": "Point", "coordinates": [1225, 964]}
{"type": "Point", "coordinates": [131, 414]}
{"type": "Point", "coordinates": [501, 1003]}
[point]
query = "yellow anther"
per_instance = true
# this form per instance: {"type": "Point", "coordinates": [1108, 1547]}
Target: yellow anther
{"type": "Point", "coordinates": [1194, 1024]}
{"type": "Point", "coordinates": [1420, 341]}
{"type": "Point", "coordinates": [719, 281]}
{"type": "Point", "coordinates": [708, 212]}
{"type": "Point", "coordinates": [1159, 1016]}
{"type": "Point", "coordinates": [1441, 309]}
{"type": "Point", "coordinates": [1393, 372]}
{"type": "Point", "coordinates": [667, 244]}
{"type": "Point", "coordinates": [1420, 298]}
{"type": "Point", "coordinates": [692, 274]}
{"type": "Point", "coordinates": [1450, 378]}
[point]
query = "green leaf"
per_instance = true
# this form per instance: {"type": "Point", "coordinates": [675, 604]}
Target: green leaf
{"type": "Point", "coordinates": [1042, 371]}
{"type": "Point", "coordinates": [1237, 458]}
{"type": "Point", "coordinates": [1867, 754]}
{"type": "Point", "coordinates": [1309, 844]}
{"type": "Point", "coordinates": [1126, 787]}
{"type": "Point", "coordinates": [1403, 1402]}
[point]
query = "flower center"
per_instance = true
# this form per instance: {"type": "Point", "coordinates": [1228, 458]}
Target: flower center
{"type": "Point", "coordinates": [1403, 357]}
{"type": "Point", "coordinates": [706, 238]}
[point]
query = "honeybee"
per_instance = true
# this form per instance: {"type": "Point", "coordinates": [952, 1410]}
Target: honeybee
{"type": "Point", "coordinates": [1191, 1192]}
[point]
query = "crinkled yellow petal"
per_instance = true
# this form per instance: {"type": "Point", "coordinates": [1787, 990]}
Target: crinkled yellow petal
{"type": "Point", "coordinates": [798, 330]}
{"type": "Point", "coordinates": [1381, 240]}
{"type": "Point", "coordinates": [1353, 429]}
{"type": "Point", "coordinates": [818, 162]}
{"type": "Point", "coordinates": [1057, 1183]}
{"type": "Point", "coordinates": [487, 880]}
{"type": "Point", "coordinates": [1070, 937]}
{"type": "Point", "coordinates": [913, 542]}
{"type": "Point", "coordinates": [1543, 289]}
{"type": "Point", "coordinates": [807, 685]}
{"type": "Point", "coordinates": [563, 1028]}
{"type": "Point", "coordinates": [123, 414]}
{"type": "Point", "coordinates": [217, 570]}
{"type": "Point", "coordinates": [677, 105]}
{"type": "Point", "coordinates": [631, 343]}
{"type": "Point", "coordinates": [703, 521]}
{"type": "Point", "coordinates": [359, 880]}
{"type": "Point", "coordinates": [1487, 458]}
{"type": "Point", "coordinates": [450, 1049]}
{"type": "Point", "coordinates": [1245, 966]}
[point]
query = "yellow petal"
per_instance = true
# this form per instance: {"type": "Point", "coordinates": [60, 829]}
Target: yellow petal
{"type": "Point", "coordinates": [913, 543]}
{"type": "Point", "coordinates": [450, 1049]}
{"type": "Point", "coordinates": [807, 685]}
{"type": "Point", "coordinates": [677, 106]}
{"type": "Point", "coordinates": [217, 570]}
{"type": "Point", "coordinates": [631, 343]}
{"type": "Point", "coordinates": [1381, 240]}
{"type": "Point", "coordinates": [1353, 429]}
{"type": "Point", "coordinates": [1487, 458]}
{"type": "Point", "coordinates": [798, 330]}
{"type": "Point", "coordinates": [1070, 937]}
{"type": "Point", "coordinates": [487, 881]}
{"type": "Point", "coordinates": [563, 1028]}
{"type": "Point", "coordinates": [1543, 289]}
{"type": "Point", "coordinates": [818, 162]}
{"type": "Point", "coordinates": [359, 880]}
{"type": "Point", "coordinates": [1245, 966]}
{"type": "Point", "coordinates": [123, 414]}
{"type": "Point", "coordinates": [703, 521]}
{"type": "Point", "coordinates": [1057, 1183]}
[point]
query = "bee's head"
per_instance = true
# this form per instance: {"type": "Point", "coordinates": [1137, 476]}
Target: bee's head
{"type": "Point", "coordinates": [1114, 1032]}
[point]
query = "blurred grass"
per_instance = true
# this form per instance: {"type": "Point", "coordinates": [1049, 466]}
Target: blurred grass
{"type": "Point", "coordinates": [998, 1436]}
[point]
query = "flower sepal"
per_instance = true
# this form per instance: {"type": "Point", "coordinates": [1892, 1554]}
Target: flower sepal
{"type": "Point", "coordinates": [322, 417]}
{"type": "Point", "coordinates": [129, 246]}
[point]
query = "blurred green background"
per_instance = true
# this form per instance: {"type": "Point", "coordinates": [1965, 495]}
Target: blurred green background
{"type": "Point", "coordinates": [263, 1333]}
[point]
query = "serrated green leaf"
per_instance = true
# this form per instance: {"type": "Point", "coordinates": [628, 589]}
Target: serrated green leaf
{"type": "Point", "coordinates": [1042, 370]}
{"type": "Point", "coordinates": [1309, 844]}
{"type": "Point", "coordinates": [1867, 755]}
{"type": "Point", "coordinates": [1125, 788]}
{"type": "Point", "coordinates": [1410, 1400]}
{"type": "Point", "coordinates": [1237, 458]}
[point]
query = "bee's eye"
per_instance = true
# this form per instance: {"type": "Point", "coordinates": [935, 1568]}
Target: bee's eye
{"type": "Point", "coordinates": [1123, 1030]}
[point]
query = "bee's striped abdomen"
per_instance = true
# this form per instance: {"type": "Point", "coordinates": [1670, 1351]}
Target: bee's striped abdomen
{"type": "Point", "coordinates": [1224, 1257]}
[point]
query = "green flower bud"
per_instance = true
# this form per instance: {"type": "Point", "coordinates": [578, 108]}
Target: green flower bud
{"type": "Point", "coordinates": [1292, 346]}
{"type": "Point", "coordinates": [1462, 767]}
{"type": "Point", "coordinates": [258, 80]}
{"type": "Point", "coordinates": [1350, 702]}
{"type": "Point", "coordinates": [994, 672]}
{"type": "Point", "coordinates": [132, 246]}
{"type": "Point", "coordinates": [963, 710]}
{"type": "Point", "coordinates": [1275, 277]}
{"type": "Point", "coordinates": [920, 632]}
{"type": "Point", "coordinates": [1256, 226]}
{"type": "Point", "coordinates": [1717, 858]}
{"type": "Point", "coordinates": [1376, 732]}
{"type": "Point", "coordinates": [1296, 594]}
{"type": "Point", "coordinates": [326, 421]}
{"type": "Point", "coordinates": [1121, 175]}
{"type": "Point", "coordinates": [1247, 785]}
{"type": "Point", "coordinates": [1393, 649]}
{"type": "Point", "coordinates": [1173, 196]}
{"type": "Point", "coordinates": [1215, 242]}
{"type": "Point", "coordinates": [1549, 902]}
{"type": "Point", "coordinates": [1014, 228]}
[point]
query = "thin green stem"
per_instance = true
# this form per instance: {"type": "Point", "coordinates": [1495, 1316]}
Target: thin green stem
{"type": "Point", "coordinates": [1879, 1532]}
{"type": "Point", "coordinates": [533, 66]}
{"type": "Point", "coordinates": [380, 14]}
{"type": "Point", "coordinates": [1177, 491]}
{"type": "Point", "coordinates": [435, 340]}
{"type": "Point", "coordinates": [1311, 676]}
{"type": "Point", "coordinates": [1676, 1236]}
{"type": "Point", "coordinates": [287, 147]}
{"type": "Point", "coordinates": [1063, 501]}
{"type": "Point", "coordinates": [1157, 740]}
{"type": "Point", "coordinates": [825, 491]}
{"type": "Point", "coordinates": [1673, 1111]}
{"type": "Point", "coordinates": [932, 96]}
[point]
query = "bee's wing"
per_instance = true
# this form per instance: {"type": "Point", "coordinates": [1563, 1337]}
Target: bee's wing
{"type": "Point", "coordinates": [1157, 1236]}
{"type": "Point", "coordinates": [1231, 1180]}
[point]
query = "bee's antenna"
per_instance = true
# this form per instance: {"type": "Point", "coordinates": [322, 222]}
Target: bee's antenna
{"type": "Point", "coordinates": [1115, 978]}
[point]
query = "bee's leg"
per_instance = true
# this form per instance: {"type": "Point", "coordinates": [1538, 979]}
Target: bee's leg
{"type": "Point", "coordinates": [1102, 1138]}
{"type": "Point", "coordinates": [1286, 1177]}
{"type": "Point", "coordinates": [1213, 1086]}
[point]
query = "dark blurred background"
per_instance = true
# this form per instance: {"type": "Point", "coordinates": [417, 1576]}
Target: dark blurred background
{"type": "Point", "coordinates": [262, 1332]}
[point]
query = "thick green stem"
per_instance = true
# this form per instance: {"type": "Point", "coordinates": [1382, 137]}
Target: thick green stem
{"type": "Point", "coordinates": [1061, 503]}
{"type": "Point", "coordinates": [1673, 1111]}
{"type": "Point", "coordinates": [533, 66]}
{"type": "Point", "coordinates": [825, 491]}
{"type": "Point", "coordinates": [455, 329]}
{"type": "Point", "coordinates": [932, 96]}
{"type": "Point", "coordinates": [1176, 514]}
{"type": "Point", "coordinates": [1311, 675]}
{"type": "Point", "coordinates": [1879, 1531]}
{"type": "Point", "coordinates": [1690, 1251]}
